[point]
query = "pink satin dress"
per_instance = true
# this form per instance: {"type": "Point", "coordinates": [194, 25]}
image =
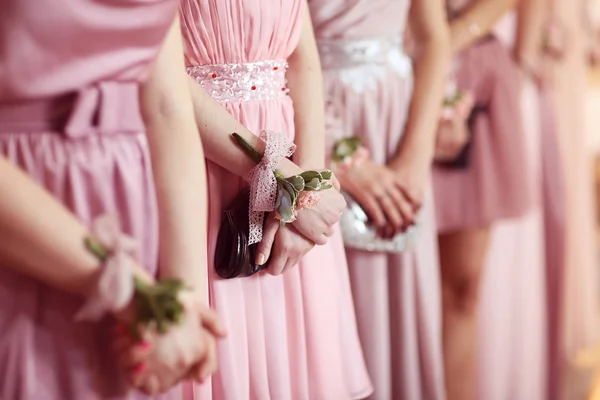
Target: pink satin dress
{"type": "Point", "coordinates": [368, 88]}
{"type": "Point", "coordinates": [69, 118]}
{"type": "Point", "coordinates": [294, 336]}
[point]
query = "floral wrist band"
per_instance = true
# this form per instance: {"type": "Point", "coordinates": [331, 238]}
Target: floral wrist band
{"type": "Point", "coordinates": [458, 104]}
{"type": "Point", "coordinates": [270, 190]}
{"type": "Point", "coordinates": [348, 153]}
{"type": "Point", "coordinates": [156, 305]}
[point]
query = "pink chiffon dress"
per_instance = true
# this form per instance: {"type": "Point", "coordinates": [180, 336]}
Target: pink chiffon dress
{"type": "Point", "coordinates": [368, 87]}
{"type": "Point", "coordinates": [294, 336]}
{"type": "Point", "coordinates": [70, 119]}
{"type": "Point", "coordinates": [513, 315]}
{"type": "Point", "coordinates": [492, 186]}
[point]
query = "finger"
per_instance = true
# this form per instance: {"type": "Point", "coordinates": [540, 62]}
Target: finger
{"type": "Point", "coordinates": [208, 365]}
{"type": "Point", "coordinates": [392, 213]}
{"type": "Point", "coordinates": [373, 210]}
{"type": "Point", "coordinates": [212, 322]}
{"type": "Point", "coordinates": [135, 358]}
{"type": "Point", "coordinates": [264, 247]}
{"type": "Point", "coordinates": [278, 257]}
{"type": "Point", "coordinates": [412, 196]}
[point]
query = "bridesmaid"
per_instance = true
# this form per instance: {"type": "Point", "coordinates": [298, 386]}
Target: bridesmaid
{"type": "Point", "coordinates": [83, 104]}
{"type": "Point", "coordinates": [372, 94]}
{"type": "Point", "coordinates": [477, 185]}
{"type": "Point", "coordinates": [292, 332]}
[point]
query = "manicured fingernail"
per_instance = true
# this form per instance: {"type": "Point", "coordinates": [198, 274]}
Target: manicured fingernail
{"type": "Point", "coordinates": [145, 345]}
{"type": "Point", "coordinates": [139, 367]}
{"type": "Point", "coordinates": [261, 259]}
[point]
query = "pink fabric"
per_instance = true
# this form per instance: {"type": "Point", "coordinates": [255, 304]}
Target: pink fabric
{"type": "Point", "coordinates": [513, 315]}
{"type": "Point", "coordinates": [493, 186]}
{"type": "Point", "coordinates": [79, 54]}
{"type": "Point", "coordinates": [115, 285]}
{"type": "Point", "coordinates": [397, 296]}
{"type": "Point", "coordinates": [291, 337]}
{"type": "Point", "coordinates": [263, 185]}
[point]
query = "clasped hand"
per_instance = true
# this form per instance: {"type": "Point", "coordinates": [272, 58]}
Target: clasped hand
{"type": "Point", "coordinates": [157, 362]}
{"type": "Point", "coordinates": [286, 245]}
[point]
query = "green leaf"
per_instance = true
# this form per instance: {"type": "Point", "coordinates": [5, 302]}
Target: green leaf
{"type": "Point", "coordinates": [345, 148]}
{"type": "Point", "coordinates": [254, 154]}
{"type": "Point", "coordinates": [310, 175]}
{"type": "Point", "coordinates": [297, 181]}
{"type": "Point", "coordinates": [314, 184]}
{"type": "Point", "coordinates": [327, 174]}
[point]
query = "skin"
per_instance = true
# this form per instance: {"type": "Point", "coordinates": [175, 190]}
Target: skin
{"type": "Point", "coordinates": [215, 125]}
{"type": "Point", "coordinates": [392, 194]}
{"type": "Point", "coordinates": [462, 253]}
{"type": "Point", "coordinates": [29, 214]}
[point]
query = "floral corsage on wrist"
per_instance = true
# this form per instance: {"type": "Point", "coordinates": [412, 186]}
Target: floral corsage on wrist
{"type": "Point", "coordinates": [348, 153]}
{"type": "Point", "coordinates": [460, 103]}
{"type": "Point", "coordinates": [152, 306]}
{"type": "Point", "coordinates": [270, 190]}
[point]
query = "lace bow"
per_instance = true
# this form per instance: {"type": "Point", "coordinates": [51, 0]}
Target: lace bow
{"type": "Point", "coordinates": [114, 286]}
{"type": "Point", "coordinates": [263, 184]}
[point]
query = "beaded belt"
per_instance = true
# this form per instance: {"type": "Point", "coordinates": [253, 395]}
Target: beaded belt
{"type": "Point", "coordinates": [361, 63]}
{"type": "Point", "coordinates": [262, 80]}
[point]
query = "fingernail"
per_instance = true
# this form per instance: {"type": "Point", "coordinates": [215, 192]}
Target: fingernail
{"type": "Point", "coordinates": [139, 367]}
{"type": "Point", "coordinates": [261, 259]}
{"type": "Point", "coordinates": [145, 345]}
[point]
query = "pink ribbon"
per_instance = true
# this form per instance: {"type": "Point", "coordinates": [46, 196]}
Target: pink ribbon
{"type": "Point", "coordinates": [114, 287]}
{"type": "Point", "coordinates": [263, 185]}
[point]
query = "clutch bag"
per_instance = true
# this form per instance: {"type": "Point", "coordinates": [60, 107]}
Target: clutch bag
{"type": "Point", "coordinates": [233, 256]}
{"type": "Point", "coordinates": [359, 234]}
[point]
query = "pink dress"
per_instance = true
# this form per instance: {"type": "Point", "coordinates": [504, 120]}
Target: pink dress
{"type": "Point", "coordinates": [69, 117]}
{"type": "Point", "coordinates": [291, 337]}
{"type": "Point", "coordinates": [492, 186]}
{"type": "Point", "coordinates": [513, 318]}
{"type": "Point", "coordinates": [368, 85]}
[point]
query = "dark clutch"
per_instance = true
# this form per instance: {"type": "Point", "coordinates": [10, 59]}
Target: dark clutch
{"type": "Point", "coordinates": [233, 256]}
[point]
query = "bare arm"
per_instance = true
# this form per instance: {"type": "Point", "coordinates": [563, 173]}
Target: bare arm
{"type": "Point", "coordinates": [29, 221]}
{"type": "Point", "coordinates": [477, 21]}
{"type": "Point", "coordinates": [304, 78]}
{"type": "Point", "coordinates": [531, 16]}
{"type": "Point", "coordinates": [429, 28]}
{"type": "Point", "coordinates": [178, 165]}
{"type": "Point", "coordinates": [216, 125]}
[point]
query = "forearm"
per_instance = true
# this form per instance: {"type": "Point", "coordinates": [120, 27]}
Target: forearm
{"type": "Point", "coordinates": [477, 21]}
{"type": "Point", "coordinates": [531, 15]}
{"type": "Point", "coordinates": [303, 76]}
{"type": "Point", "coordinates": [430, 69]}
{"type": "Point", "coordinates": [40, 238]}
{"type": "Point", "coordinates": [216, 125]}
{"type": "Point", "coordinates": [178, 165]}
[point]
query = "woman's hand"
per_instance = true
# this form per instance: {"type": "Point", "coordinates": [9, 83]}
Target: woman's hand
{"type": "Point", "coordinates": [160, 361]}
{"type": "Point", "coordinates": [453, 135]}
{"type": "Point", "coordinates": [411, 172]}
{"type": "Point", "coordinates": [316, 223]}
{"type": "Point", "coordinates": [378, 191]}
{"type": "Point", "coordinates": [285, 245]}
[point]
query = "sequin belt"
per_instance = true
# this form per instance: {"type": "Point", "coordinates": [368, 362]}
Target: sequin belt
{"type": "Point", "coordinates": [347, 53]}
{"type": "Point", "coordinates": [262, 80]}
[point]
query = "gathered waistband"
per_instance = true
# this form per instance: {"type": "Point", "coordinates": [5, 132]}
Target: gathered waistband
{"type": "Point", "coordinates": [262, 80]}
{"type": "Point", "coordinates": [103, 108]}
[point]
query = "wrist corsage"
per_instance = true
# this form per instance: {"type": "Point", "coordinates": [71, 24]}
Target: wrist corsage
{"type": "Point", "coordinates": [460, 103]}
{"type": "Point", "coordinates": [348, 153]}
{"type": "Point", "coordinates": [242, 221]}
{"type": "Point", "coordinates": [155, 306]}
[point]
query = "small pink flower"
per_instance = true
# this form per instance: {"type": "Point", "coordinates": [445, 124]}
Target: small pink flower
{"type": "Point", "coordinates": [307, 200]}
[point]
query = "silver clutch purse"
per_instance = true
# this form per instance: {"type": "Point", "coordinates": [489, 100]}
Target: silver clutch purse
{"type": "Point", "coordinates": [359, 234]}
